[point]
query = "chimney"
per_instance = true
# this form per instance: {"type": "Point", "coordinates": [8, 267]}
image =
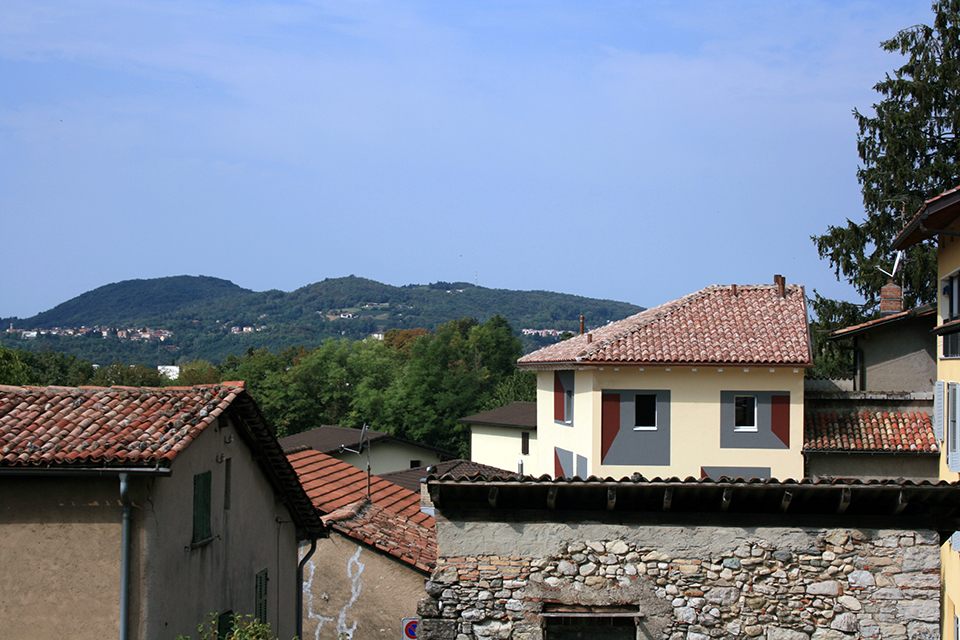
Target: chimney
{"type": "Point", "coordinates": [581, 325]}
{"type": "Point", "coordinates": [781, 283]}
{"type": "Point", "coordinates": [733, 290]}
{"type": "Point", "coordinates": [589, 338]}
{"type": "Point", "coordinates": [891, 299]}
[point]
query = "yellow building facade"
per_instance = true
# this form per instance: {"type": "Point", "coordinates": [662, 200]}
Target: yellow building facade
{"type": "Point", "coordinates": [939, 219]}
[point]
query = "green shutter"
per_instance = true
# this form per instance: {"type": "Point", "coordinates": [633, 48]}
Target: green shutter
{"type": "Point", "coordinates": [260, 608]}
{"type": "Point", "coordinates": [201, 507]}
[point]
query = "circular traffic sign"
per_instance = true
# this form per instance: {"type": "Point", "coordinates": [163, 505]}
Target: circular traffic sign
{"type": "Point", "coordinates": [410, 629]}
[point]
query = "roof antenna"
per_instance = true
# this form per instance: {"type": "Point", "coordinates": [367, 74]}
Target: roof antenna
{"type": "Point", "coordinates": [896, 263]}
{"type": "Point", "coordinates": [344, 447]}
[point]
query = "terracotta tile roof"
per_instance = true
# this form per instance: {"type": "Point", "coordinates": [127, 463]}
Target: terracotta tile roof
{"type": "Point", "coordinates": [103, 429]}
{"type": "Point", "coordinates": [846, 332]}
{"type": "Point", "coordinates": [410, 478]}
{"type": "Point", "coordinates": [872, 431]}
{"type": "Point", "coordinates": [327, 439]}
{"type": "Point", "coordinates": [100, 427]}
{"type": "Point", "coordinates": [522, 415]}
{"type": "Point", "coordinates": [390, 520]}
{"type": "Point", "coordinates": [722, 324]}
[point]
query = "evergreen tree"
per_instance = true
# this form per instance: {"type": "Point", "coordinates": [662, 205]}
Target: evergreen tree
{"type": "Point", "coordinates": [909, 153]}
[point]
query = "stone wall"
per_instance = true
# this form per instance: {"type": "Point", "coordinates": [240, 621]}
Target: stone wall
{"type": "Point", "coordinates": [689, 583]}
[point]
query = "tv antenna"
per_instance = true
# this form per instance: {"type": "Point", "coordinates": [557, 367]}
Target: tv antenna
{"type": "Point", "coordinates": [896, 264]}
{"type": "Point", "coordinates": [363, 446]}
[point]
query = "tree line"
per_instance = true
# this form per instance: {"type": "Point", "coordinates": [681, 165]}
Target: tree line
{"type": "Point", "coordinates": [413, 384]}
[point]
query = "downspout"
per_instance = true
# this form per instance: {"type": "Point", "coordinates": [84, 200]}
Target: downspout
{"type": "Point", "coordinates": [125, 558]}
{"type": "Point", "coordinates": [306, 559]}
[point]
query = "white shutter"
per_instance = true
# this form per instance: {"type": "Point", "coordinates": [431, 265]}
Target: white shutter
{"type": "Point", "coordinates": [939, 395]}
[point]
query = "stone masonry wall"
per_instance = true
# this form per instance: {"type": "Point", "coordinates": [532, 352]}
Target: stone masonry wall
{"type": "Point", "coordinates": [689, 583]}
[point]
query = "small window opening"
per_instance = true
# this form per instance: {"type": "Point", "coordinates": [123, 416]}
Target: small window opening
{"type": "Point", "coordinates": [745, 413]}
{"type": "Point", "coordinates": [525, 443]}
{"type": "Point", "coordinates": [414, 464]}
{"type": "Point", "coordinates": [645, 411]}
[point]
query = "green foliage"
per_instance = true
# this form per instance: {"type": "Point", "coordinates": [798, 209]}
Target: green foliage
{"type": "Point", "coordinates": [201, 311]}
{"type": "Point", "coordinates": [519, 387]}
{"type": "Point", "coordinates": [13, 371]}
{"type": "Point", "coordinates": [909, 153]}
{"type": "Point", "coordinates": [833, 358]}
{"type": "Point", "coordinates": [126, 375]}
{"type": "Point", "coordinates": [197, 372]}
{"type": "Point", "coordinates": [243, 628]}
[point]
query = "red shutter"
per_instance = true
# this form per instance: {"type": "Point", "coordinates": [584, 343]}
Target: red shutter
{"type": "Point", "coordinates": [559, 398]}
{"type": "Point", "coordinates": [557, 467]}
{"type": "Point", "coordinates": [609, 421]}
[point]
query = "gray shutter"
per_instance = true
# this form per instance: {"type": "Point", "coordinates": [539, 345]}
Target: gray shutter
{"type": "Point", "coordinates": [953, 437]}
{"type": "Point", "coordinates": [201, 506]}
{"type": "Point", "coordinates": [939, 395]}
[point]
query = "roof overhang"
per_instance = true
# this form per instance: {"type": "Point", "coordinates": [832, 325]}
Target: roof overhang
{"type": "Point", "coordinates": [849, 332]}
{"type": "Point", "coordinates": [724, 502]}
{"type": "Point", "coordinates": [933, 218]}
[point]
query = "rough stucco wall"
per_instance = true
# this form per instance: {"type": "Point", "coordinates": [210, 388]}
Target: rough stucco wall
{"type": "Point", "coordinates": [690, 583]}
{"type": "Point", "coordinates": [60, 557]}
{"type": "Point", "coordinates": [354, 590]}
{"type": "Point", "coordinates": [181, 585]}
{"type": "Point", "coordinates": [901, 357]}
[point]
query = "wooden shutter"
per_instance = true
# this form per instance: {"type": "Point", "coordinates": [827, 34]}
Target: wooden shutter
{"type": "Point", "coordinates": [780, 418]}
{"type": "Point", "coordinates": [609, 421]}
{"type": "Point", "coordinates": [260, 606]}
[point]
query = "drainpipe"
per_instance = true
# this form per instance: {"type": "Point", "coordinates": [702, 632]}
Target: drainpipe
{"type": "Point", "coordinates": [303, 563]}
{"type": "Point", "coordinates": [125, 558]}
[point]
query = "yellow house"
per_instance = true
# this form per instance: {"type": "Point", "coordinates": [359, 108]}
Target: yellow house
{"type": "Point", "coordinates": [708, 385]}
{"type": "Point", "coordinates": [940, 218]}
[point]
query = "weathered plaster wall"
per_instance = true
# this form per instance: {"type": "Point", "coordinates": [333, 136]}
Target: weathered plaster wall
{"type": "Point", "coordinates": [182, 583]}
{"type": "Point", "coordinates": [690, 583]}
{"type": "Point", "coordinates": [880, 466]}
{"type": "Point", "coordinates": [60, 557]}
{"type": "Point", "coordinates": [900, 357]}
{"type": "Point", "coordinates": [351, 589]}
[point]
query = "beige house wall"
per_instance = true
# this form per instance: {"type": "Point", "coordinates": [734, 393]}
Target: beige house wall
{"type": "Point", "coordinates": [501, 447]}
{"type": "Point", "coordinates": [349, 588]}
{"type": "Point", "coordinates": [60, 554]}
{"type": "Point", "coordinates": [386, 457]}
{"type": "Point", "coordinates": [182, 583]}
{"type": "Point", "coordinates": [694, 418]}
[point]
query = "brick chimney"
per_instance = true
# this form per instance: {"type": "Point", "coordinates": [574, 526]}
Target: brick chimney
{"type": "Point", "coordinates": [891, 299]}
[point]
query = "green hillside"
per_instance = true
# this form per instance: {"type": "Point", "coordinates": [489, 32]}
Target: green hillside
{"type": "Point", "coordinates": [211, 318]}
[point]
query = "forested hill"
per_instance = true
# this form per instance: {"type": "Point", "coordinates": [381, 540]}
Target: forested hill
{"type": "Point", "coordinates": [212, 318]}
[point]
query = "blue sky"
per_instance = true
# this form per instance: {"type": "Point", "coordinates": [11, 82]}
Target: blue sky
{"type": "Point", "coordinates": [635, 151]}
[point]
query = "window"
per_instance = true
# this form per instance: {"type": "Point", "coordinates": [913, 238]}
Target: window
{"type": "Point", "coordinates": [260, 595]}
{"type": "Point", "coordinates": [576, 622]}
{"type": "Point", "coordinates": [952, 426]}
{"type": "Point", "coordinates": [525, 443]}
{"type": "Point", "coordinates": [745, 413]}
{"type": "Point", "coordinates": [224, 624]}
{"type": "Point", "coordinates": [201, 507]}
{"type": "Point", "coordinates": [635, 427]}
{"type": "Point", "coordinates": [949, 311]}
{"type": "Point", "coordinates": [645, 411]}
{"type": "Point", "coordinates": [755, 419]}
{"type": "Point", "coordinates": [563, 397]}
{"type": "Point", "coordinates": [414, 464]}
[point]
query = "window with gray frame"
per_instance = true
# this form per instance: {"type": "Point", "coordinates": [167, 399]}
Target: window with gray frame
{"type": "Point", "coordinates": [201, 507]}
